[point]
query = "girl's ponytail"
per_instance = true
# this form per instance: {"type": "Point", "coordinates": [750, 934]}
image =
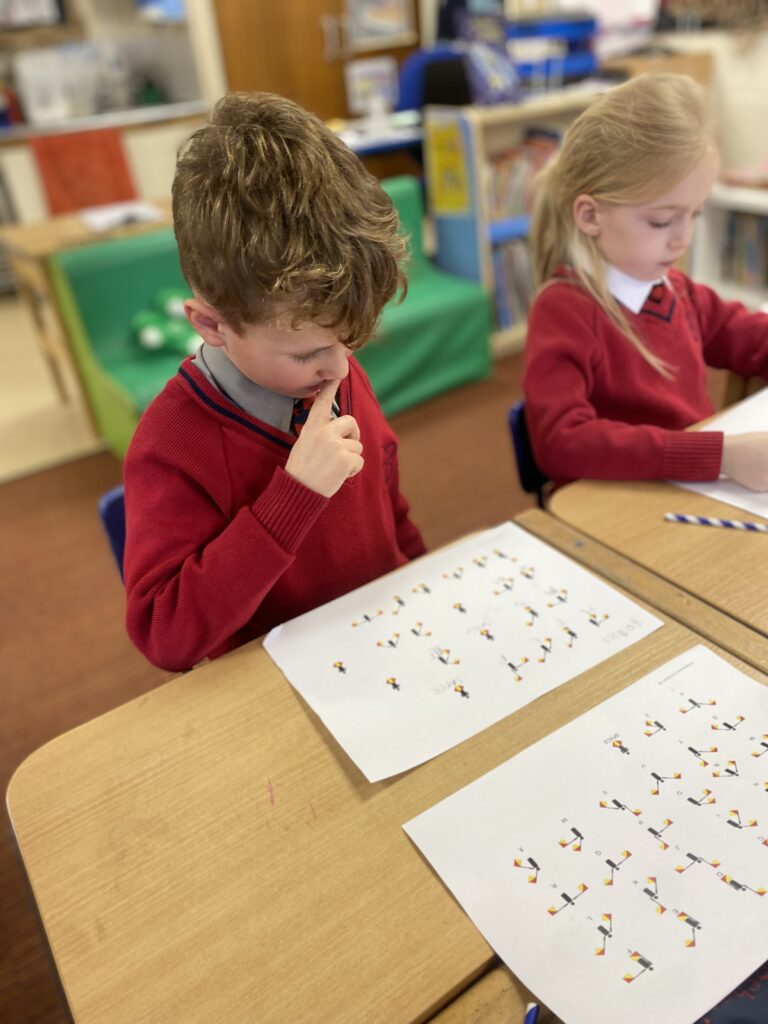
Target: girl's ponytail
{"type": "Point", "coordinates": [548, 234]}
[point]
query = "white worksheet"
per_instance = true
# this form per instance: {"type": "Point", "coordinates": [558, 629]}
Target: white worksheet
{"type": "Point", "coordinates": [619, 866]}
{"type": "Point", "coordinates": [743, 418]}
{"type": "Point", "coordinates": [417, 661]}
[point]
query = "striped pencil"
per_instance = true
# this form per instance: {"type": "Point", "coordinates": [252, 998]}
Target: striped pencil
{"type": "Point", "coordinates": [730, 524]}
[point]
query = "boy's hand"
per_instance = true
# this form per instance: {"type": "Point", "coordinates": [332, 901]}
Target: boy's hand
{"type": "Point", "coordinates": [327, 450]}
{"type": "Point", "coordinates": [745, 460]}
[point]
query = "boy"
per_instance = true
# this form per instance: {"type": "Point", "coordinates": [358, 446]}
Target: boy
{"type": "Point", "coordinates": [240, 516]}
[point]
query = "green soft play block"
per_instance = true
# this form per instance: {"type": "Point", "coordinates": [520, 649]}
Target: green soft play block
{"type": "Point", "coordinates": [99, 289]}
{"type": "Point", "coordinates": [439, 336]}
{"type": "Point", "coordinates": [438, 339]}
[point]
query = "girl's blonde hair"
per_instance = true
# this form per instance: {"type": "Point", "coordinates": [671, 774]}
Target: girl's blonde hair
{"type": "Point", "coordinates": [632, 144]}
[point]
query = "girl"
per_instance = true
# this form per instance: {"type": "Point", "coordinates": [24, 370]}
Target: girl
{"type": "Point", "coordinates": [618, 341]}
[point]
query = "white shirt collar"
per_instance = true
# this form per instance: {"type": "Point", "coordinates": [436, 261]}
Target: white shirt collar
{"type": "Point", "coordinates": [628, 290]}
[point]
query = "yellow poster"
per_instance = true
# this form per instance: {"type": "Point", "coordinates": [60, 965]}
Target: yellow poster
{"type": "Point", "coordinates": [448, 169]}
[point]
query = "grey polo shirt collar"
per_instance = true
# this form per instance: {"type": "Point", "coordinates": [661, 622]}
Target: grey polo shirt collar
{"type": "Point", "coordinates": [264, 405]}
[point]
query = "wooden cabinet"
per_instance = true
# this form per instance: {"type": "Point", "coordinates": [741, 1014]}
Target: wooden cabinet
{"type": "Point", "coordinates": [297, 48]}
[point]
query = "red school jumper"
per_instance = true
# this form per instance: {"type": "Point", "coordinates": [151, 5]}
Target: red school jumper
{"type": "Point", "coordinates": [222, 544]}
{"type": "Point", "coordinates": [596, 409]}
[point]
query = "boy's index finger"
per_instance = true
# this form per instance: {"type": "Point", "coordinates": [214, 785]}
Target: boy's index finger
{"type": "Point", "coordinates": [322, 406]}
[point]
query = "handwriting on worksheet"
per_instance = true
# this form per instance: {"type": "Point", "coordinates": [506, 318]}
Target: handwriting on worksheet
{"type": "Point", "coordinates": [620, 866]}
{"type": "Point", "coordinates": [412, 664]}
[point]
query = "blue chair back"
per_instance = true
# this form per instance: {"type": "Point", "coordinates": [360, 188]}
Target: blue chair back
{"type": "Point", "coordinates": [532, 480]}
{"type": "Point", "coordinates": [112, 512]}
{"type": "Point", "coordinates": [420, 81]}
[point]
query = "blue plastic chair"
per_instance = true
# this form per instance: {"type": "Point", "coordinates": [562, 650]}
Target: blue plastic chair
{"type": "Point", "coordinates": [449, 85]}
{"type": "Point", "coordinates": [532, 479]}
{"type": "Point", "coordinates": [112, 512]}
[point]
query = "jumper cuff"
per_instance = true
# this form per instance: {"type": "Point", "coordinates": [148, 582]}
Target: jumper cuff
{"type": "Point", "coordinates": [693, 455]}
{"type": "Point", "coordinates": [287, 510]}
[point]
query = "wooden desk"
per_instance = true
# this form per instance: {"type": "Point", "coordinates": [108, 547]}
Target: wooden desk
{"type": "Point", "coordinates": [208, 853]}
{"type": "Point", "coordinates": [30, 247]}
{"type": "Point", "coordinates": [730, 634]}
{"type": "Point", "coordinates": [497, 998]}
{"type": "Point", "coordinates": [724, 568]}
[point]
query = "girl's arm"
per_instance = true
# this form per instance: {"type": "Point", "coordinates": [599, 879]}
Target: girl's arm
{"type": "Point", "coordinates": [745, 460]}
{"type": "Point", "coordinates": [733, 337]}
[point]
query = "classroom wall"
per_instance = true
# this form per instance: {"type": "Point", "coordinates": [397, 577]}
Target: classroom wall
{"type": "Point", "coordinates": [739, 90]}
{"type": "Point", "coordinates": [206, 48]}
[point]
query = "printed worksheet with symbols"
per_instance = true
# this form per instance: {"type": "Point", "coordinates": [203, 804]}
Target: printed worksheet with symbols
{"type": "Point", "coordinates": [620, 865]}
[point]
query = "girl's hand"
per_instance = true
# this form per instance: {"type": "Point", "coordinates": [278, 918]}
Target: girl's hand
{"type": "Point", "coordinates": [745, 460]}
{"type": "Point", "coordinates": [327, 450]}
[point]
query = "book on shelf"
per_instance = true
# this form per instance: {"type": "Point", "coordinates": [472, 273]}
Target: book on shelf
{"type": "Point", "coordinates": [744, 256]}
{"type": "Point", "coordinates": [513, 282]}
{"type": "Point", "coordinates": [511, 173]}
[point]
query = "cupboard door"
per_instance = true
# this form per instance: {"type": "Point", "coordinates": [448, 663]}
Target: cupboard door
{"type": "Point", "coordinates": [291, 47]}
{"type": "Point", "coordinates": [297, 48]}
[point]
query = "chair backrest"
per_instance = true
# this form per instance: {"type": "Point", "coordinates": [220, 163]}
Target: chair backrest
{"type": "Point", "coordinates": [532, 480]}
{"type": "Point", "coordinates": [436, 75]}
{"type": "Point", "coordinates": [112, 512]}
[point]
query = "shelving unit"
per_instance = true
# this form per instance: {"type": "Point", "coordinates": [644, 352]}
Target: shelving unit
{"type": "Point", "coordinates": [68, 30]}
{"type": "Point", "coordinates": [566, 43]}
{"type": "Point", "coordinates": [509, 228]}
{"type": "Point", "coordinates": [459, 142]}
{"type": "Point", "coordinates": [710, 238]}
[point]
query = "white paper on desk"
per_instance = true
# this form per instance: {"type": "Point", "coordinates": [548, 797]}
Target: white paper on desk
{"type": "Point", "coordinates": [413, 663]}
{"type": "Point", "coordinates": [592, 873]}
{"type": "Point", "coordinates": [115, 215]}
{"type": "Point", "coordinates": [743, 418]}
{"type": "Point", "coordinates": [371, 135]}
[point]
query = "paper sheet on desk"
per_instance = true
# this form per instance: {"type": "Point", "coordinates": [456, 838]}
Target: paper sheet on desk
{"type": "Point", "coordinates": [116, 215]}
{"type": "Point", "coordinates": [618, 866]}
{"type": "Point", "coordinates": [743, 418]}
{"type": "Point", "coordinates": [413, 663]}
{"type": "Point", "coordinates": [403, 128]}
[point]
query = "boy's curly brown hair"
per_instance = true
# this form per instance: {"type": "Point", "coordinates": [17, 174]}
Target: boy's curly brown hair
{"type": "Point", "coordinates": [274, 216]}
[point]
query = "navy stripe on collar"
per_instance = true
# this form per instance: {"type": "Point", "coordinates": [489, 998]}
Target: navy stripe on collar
{"type": "Point", "coordinates": [232, 415]}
